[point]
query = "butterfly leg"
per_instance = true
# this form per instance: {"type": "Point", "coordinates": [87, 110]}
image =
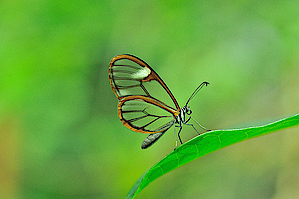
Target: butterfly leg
{"type": "Point", "coordinates": [194, 128]}
{"type": "Point", "coordinates": [186, 122]}
{"type": "Point", "coordinates": [176, 138]}
{"type": "Point", "coordinates": [179, 133]}
{"type": "Point", "coordinates": [198, 124]}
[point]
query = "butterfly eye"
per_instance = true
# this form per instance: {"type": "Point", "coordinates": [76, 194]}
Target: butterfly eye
{"type": "Point", "coordinates": [188, 111]}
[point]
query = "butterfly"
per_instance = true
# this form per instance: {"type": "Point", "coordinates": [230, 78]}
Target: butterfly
{"type": "Point", "coordinates": [139, 90]}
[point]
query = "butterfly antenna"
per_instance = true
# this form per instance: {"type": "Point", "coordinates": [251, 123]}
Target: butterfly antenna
{"type": "Point", "coordinates": [196, 90]}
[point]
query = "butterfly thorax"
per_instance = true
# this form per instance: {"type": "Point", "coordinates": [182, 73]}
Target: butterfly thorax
{"type": "Point", "coordinates": [181, 118]}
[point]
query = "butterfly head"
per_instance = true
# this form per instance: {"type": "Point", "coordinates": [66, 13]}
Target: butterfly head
{"type": "Point", "coordinates": [188, 110]}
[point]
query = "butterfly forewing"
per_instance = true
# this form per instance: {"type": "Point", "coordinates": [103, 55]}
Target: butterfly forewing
{"type": "Point", "coordinates": [130, 75]}
{"type": "Point", "coordinates": [126, 76]}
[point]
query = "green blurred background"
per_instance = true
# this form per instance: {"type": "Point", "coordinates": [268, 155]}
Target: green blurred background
{"type": "Point", "coordinates": [60, 133]}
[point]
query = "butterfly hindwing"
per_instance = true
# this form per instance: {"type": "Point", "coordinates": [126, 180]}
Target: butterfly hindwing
{"type": "Point", "coordinates": [143, 114]}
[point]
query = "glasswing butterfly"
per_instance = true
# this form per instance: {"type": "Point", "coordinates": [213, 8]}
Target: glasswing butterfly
{"type": "Point", "coordinates": [140, 108]}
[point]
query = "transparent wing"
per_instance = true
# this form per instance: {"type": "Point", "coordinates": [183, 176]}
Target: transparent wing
{"type": "Point", "coordinates": [146, 105]}
{"type": "Point", "coordinates": [145, 115]}
{"type": "Point", "coordinates": [130, 76]}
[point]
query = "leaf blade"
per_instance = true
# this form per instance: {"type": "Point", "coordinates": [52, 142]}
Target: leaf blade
{"type": "Point", "coordinates": [204, 144]}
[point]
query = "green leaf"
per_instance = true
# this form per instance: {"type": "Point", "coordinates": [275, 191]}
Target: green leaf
{"type": "Point", "coordinates": [204, 144]}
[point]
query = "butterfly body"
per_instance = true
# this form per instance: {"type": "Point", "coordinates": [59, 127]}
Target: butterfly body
{"type": "Point", "coordinates": [137, 86]}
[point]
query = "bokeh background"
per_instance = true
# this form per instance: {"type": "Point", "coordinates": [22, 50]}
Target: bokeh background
{"type": "Point", "coordinates": [60, 136]}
